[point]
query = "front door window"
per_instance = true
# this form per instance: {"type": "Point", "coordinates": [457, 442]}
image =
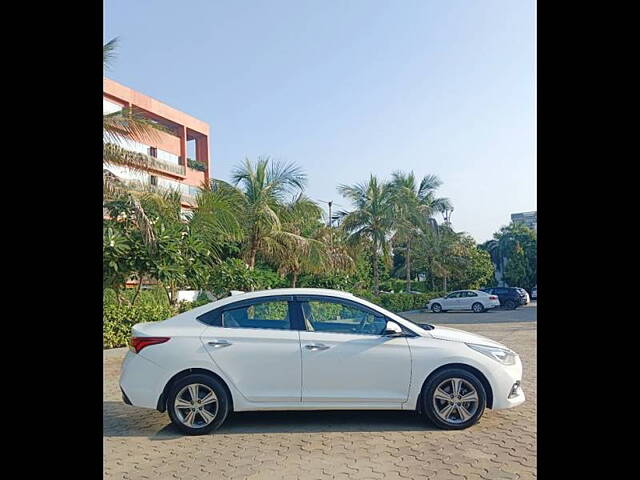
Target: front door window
{"type": "Point", "coordinates": [337, 317]}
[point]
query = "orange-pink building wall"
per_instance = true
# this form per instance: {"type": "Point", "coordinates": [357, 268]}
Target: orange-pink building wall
{"type": "Point", "coordinates": [188, 126]}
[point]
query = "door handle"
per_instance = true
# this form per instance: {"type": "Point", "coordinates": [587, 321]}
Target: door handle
{"type": "Point", "coordinates": [316, 346]}
{"type": "Point", "coordinates": [219, 343]}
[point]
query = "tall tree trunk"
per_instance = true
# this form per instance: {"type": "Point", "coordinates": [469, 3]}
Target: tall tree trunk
{"type": "Point", "coordinates": [137, 289]}
{"type": "Point", "coordinates": [408, 266]}
{"type": "Point", "coordinates": [445, 284]}
{"type": "Point", "coordinates": [294, 279]}
{"type": "Point", "coordinates": [253, 250]}
{"type": "Point", "coordinates": [116, 289]}
{"type": "Point", "coordinates": [252, 257]}
{"type": "Point", "coordinates": [376, 279]}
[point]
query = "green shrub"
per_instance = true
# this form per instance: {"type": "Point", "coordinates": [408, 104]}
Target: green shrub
{"type": "Point", "coordinates": [117, 320]}
{"type": "Point", "coordinates": [398, 302]}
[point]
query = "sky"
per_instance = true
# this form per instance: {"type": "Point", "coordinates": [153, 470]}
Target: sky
{"type": "Point", "coordinates": [346, 88]}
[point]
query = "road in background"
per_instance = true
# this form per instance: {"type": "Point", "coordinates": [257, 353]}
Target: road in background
{"type": "Point", "coordinates": [526, 313]}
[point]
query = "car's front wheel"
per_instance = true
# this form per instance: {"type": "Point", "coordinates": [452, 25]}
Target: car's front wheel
{"type": "Point", "coordinates": [436, 308]}
{"type": "Point", "coordinates": [197, 404]}
{"type": "Point", "coordinates": [454, 399]}
{"type": "Point", "coordinates": [477, 307]}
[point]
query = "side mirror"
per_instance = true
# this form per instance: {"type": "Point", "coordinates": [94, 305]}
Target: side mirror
{"type": "Point", "coordinates": [392, 330]}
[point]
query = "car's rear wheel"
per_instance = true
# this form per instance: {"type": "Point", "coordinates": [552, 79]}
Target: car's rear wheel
{"type": "Point", "coordinates": [454, 399]}
{"type": "Point", "coordinates": [197, 404]}
{"type": "Point", "coordinates": [510, 304]}
{"type": "Point", "coordinates": [436, 308]}
{"type": "Point", "coordinates": [477, 307]}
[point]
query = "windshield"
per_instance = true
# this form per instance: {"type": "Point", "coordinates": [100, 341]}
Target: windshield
{"type": "Point", "coordinates": [424, 326]}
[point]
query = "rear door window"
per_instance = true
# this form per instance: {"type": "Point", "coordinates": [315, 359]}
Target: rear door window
{"type": "Point", "coordinates": [272, 314]}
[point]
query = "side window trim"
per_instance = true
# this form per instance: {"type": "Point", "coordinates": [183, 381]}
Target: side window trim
{"type": "Point", "coordinates": [213, 318]}
{"type": "Point", "coordinates": [343, 301]}
{"type": "Point", "coordinates": [299, 300]}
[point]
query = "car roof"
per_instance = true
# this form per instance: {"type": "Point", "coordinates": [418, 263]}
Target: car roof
{"type": "Point", "coordinates": [238, 297]}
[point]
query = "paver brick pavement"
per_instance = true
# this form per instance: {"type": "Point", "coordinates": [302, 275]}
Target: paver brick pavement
{"type": "Point", "coordinates": [141, 443]}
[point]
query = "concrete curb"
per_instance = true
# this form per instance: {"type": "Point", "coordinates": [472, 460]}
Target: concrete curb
{"type": "Point", "coordinates": [114, 352]}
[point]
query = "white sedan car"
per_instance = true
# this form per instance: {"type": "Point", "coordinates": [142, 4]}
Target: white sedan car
{"type": "Point", "coordinates": [473, 300]}
{"type": "Point", "coordinates": [312, 349]}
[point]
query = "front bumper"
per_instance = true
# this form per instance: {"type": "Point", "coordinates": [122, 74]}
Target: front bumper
{"type": "Point", "coordinates": [502, 383]}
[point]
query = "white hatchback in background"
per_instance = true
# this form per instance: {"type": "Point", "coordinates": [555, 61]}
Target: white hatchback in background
{"type": "Point", "coordinates": [473, 300]}
{"type": "Point", "coordinates": [313, 349]}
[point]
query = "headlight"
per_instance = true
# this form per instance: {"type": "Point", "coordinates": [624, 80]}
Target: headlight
{"type": "Point", "coordinates": [502, 355]}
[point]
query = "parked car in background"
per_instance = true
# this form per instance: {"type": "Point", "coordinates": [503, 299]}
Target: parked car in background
{"type": "Point", "coordinates": [534, 293]}
{"type": "Point", "coordinates": [474, 300]}
{"type": "Point", "coordinates": [527, 299]}
{"type": "Point", "coordinates": [247, 352]}
{"type": "Point", "coordinates": [510, 297]}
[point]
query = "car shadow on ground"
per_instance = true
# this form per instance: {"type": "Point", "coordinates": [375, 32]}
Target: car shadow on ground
{"type": "Point", "coordinates": [120, 420]}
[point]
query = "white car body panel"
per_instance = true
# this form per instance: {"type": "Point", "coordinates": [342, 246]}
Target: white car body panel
{"type": "Point", "coordinates": [371, 368]}
{"type": "Point", "coordinates": [276, 377]}
{"type": "Point", "coordinates": [264, 368]}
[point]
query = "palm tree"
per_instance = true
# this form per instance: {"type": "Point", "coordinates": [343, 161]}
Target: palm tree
{"type": "Point", "coordinates": [260, 192]}
{"type": "Point", "coordinates": [372, 219]}
{"type": "Point", "coordinates": [444, 247]}
{"type": "Point", "coordinates": [300, 218]}
{"type": "Point", "coordinates": [414, 205]}
{"type": "Point", "coordinates": [125, 124]}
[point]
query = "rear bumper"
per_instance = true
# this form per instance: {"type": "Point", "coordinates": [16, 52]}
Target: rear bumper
{"type": "Point", "coordinates": [141, 381]}
{"type": "Point", "coordinates": [125, 399]}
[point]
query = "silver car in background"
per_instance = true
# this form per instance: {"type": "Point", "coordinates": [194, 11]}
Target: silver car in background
{"type": "Point", "coordinates": [474, 300]}
{"type": "Point", "coordinates": [527, 299]}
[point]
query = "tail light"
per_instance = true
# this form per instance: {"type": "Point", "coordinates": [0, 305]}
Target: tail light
{"type": "Point", "coordinates": [493, 297]}
{"type": "Point", "coordinates": [138, 343]}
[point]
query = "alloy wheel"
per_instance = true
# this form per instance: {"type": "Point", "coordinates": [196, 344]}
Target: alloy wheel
{"type": "Point", "coordinates": [455, 400]}
{"type": "Point", "coordinates": [196, 405]}
{"type": "Point", "coordinates": [477, 307]}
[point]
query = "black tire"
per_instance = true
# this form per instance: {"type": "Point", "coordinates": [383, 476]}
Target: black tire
{"type": "Point", "coordinates": [510, 305]}
{"type": "Point", "coordinates": [222, 403]}
{"type": "Point", "coordinates": [477, 307]}
{"type": "Point", "coordinates": [427, 398]}
{"type": "Point", "coordinates": [436, 308]}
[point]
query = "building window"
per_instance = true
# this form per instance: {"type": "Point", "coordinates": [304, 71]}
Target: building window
{"type": "Point", "coordinates": [153, 151]}
{"type": "Point", "coordinates": [154, 180]}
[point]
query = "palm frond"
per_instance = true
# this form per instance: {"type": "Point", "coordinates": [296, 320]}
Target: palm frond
{"type": "Point", "coordinates": [108, 52]}
{"type": "Point", "coordinates": [130, 124]}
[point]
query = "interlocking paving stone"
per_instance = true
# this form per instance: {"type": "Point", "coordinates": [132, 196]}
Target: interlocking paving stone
{"type": "Point", "coordinates": [141, 443]}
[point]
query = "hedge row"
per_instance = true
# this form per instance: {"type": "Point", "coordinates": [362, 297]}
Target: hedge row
{"type": "Point", "coordinates": [399, 302]}
{"type": "Point", "coordinates": [118, 319]}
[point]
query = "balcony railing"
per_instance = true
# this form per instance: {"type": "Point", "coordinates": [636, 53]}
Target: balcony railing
{"type": "Point", "coordinates": [158, 164]}
{"type": "Point", "coordinates": [143, 160]}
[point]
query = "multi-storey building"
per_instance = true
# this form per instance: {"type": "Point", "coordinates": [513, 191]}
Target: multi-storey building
{"type": "Point", "coordinates": [530, 219]}
{"type": "Point", "coordinates": [178, 158]}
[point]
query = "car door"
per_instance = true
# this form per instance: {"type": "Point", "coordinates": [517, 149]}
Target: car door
{"type": "Point", "coordinates": [467, 299]}
{"type": "Point", "coordinates": [345, 356]}
{"type": "Point", "coordinates": [451, 301]}
{"type": "Point", "coordinates": [255, 344]}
